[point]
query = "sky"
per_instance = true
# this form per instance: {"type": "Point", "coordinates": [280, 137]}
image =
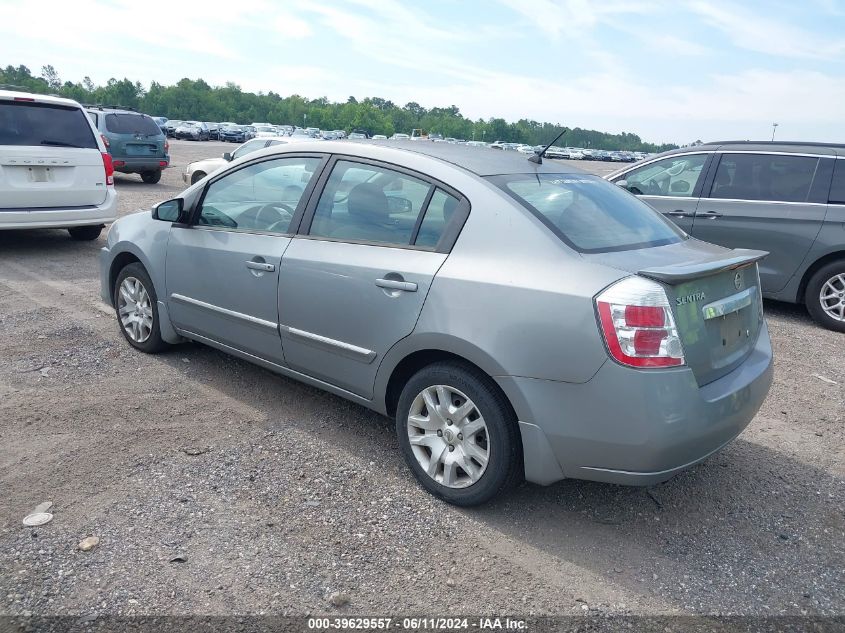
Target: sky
{"type": "Point", "coordinates": [668, 70]}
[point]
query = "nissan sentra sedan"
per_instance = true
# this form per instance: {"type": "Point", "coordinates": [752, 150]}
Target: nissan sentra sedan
{"type": "Point", "coordinates": [517, 320]}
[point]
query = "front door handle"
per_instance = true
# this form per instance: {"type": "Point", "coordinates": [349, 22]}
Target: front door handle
{"type": "Point", "coordinates": [393, 284]}
{"type": "Point", "coordinates": [677, 213]}
{"type": "Point", "coordinates": [711, 215]}
{"type": "Point", "coordinates": [262, 266]}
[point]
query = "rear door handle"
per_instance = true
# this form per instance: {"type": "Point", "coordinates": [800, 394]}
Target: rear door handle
{"type": "Point", "coordinates": [393, 284]}
{"type": "Point", "coordinates": [711, 215]}
{"type": "Point", "coordinates": [679, 214]}
{"type": "Point", "coordinates": [262, 266]}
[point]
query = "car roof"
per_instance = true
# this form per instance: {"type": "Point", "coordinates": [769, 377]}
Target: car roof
{"type": "Point", "coordinates": [11, 95]}
{"type": "Point", "coordinates": [481, 161]}
{"type": "Point", "coordinates": [796, 147]}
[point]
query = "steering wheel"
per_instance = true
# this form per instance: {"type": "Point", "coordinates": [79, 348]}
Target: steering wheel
{"type": "Point", "coordinates": [274, 207]}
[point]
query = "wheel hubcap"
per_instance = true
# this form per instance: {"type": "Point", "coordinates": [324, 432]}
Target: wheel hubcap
{"type": "Point", "coordinates": [135, 310]}
{"type": "Point", "coordinates": [448, 436]}
{"type": "Point", "coordinates": [832, 297]}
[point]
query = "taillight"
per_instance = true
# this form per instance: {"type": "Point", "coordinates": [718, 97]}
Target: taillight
{"type": "Point", "coordinates": [166, 146]}
{"type": "Point", "coordinates": [638, 325]}
{"type": "Point", "coordinates": [105, 140]}
{"type": "Point", "coordinates": [108, 165]}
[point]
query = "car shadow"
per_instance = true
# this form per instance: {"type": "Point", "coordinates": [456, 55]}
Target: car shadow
{"type": "Point", "coordinates": [707, 540]}
{"type": "Point", "coordinates": [788, 311]}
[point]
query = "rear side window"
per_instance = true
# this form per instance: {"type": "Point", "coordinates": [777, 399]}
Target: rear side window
{"type": "Point", "coordinates": [437, 216]}
{"type": "Point", "coordinates": [369, 203]}
{"type": "Point", "coordinates": [132, 124]}
{"type": "Point", "coordinates": [764, 177]}
{"type": "Point", "coordinates": [837, 187]}
{"type": "Point", "coordinates": [589, 213]}
{"type": "Point", "coordinates": [23, 123]}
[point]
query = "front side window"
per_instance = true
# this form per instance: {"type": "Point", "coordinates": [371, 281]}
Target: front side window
{"type": "Point", "coordinates": [672, 176]}
{"type": "Point", "coordinates": [773, 177]}
{"type": "Point", "coordinates": [260, 197]}
{"type": "Point", "coordinates": [249, 146]}
{"type": "Point", "coordinates": [589, 213]}
{"type": "Point", "coordinates": [367, 203]}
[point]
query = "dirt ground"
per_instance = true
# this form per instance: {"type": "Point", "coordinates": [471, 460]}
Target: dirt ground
{"type": "Point", "coordinates": [216, 487]}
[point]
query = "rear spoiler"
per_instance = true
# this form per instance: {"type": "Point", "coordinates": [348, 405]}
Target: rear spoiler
{"type": "Point", "coordinates": [679, 273]}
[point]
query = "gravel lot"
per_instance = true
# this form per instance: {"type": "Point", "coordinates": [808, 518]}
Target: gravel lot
{"type": "Point", "coordinates": [296, 495]}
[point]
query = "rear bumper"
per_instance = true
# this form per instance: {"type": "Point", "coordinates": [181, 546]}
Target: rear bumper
{"type": "Point", "coordinates": [51, 218]}
{"type": "Point", "coordinates": [635, 427]}
{"type": "Point", "coordinates": [135, 164]}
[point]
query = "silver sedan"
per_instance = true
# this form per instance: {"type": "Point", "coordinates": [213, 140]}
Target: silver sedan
{"type": "Point", "coordinates": [517, 320]}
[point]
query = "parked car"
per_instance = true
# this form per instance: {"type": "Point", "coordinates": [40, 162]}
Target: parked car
{"type": "Point", "coordinates": [170, 127]}
{"type": "Point", "coordinates": [213, 130]}
{"type": "Point", "coordinates": [379, 137]}
{"type": "Point", "coordinates": [161, 122]}
{"type": "Point", "coordinates": [199, 169]}
{"type": "Point", "coordinates": [488, 304]}
{"type": "Point", "coordinates": [266, 131]}
{"type": "Point", "coordinates": [400, 137]}
{"type": "Point", "coordinates": [786, 198]}
{"type": "Point", "coordinates": [192, 131]}
{"type": "Point", "coordinates": [233, 134]}
{"type": "Point", "coordinates": [55, 171]}
{"type": "Point", "coordinates": [134, 141]}
{"type": "Point", "coordinates": [357, 136]}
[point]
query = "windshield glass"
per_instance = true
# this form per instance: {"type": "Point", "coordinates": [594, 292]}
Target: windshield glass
{"type": "Point", "coordinates": [36, 124]}
{"type": "Point", "coordinates": [131, 124]}
{"type": "Point", "coordinates": [589, 213]}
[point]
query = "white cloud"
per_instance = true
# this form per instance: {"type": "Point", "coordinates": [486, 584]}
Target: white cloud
{"type": "Point", "coordinates": [756, 32]}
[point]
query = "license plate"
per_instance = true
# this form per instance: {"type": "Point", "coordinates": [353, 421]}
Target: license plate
{"type": "Point", "coordinates": [140, 150]}
{"type": "Point", "coordinates": [40, 174]}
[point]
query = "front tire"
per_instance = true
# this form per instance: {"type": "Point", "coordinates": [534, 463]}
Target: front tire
{"type": "Point", "coordinates": [197, 176]}
{"type": "Point", "coordinates": [458, 434]}
{"type": "Point", "coordinates": [136, 305]}
{"type": "Point", "coordinates": [825, 296]}
{"type": "Point", "coordinates": [151, 177]}
{"type": "Point", "coordinates": [85, 233]}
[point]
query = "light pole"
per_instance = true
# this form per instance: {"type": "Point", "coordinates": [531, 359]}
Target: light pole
{"type": "Point", "coordinates": [774, 127]}
{"type": "Point", "coordinates": [482, 135]}
{"type": "Point", "coordinates": [304, 119]}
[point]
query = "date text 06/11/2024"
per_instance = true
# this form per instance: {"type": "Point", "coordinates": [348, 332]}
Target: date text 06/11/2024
{"type": "Point", "coordinates": [417, 623]}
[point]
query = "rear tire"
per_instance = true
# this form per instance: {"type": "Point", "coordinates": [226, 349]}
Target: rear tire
{"type": "Point", "coordinates": [85, 233]}
{"type": "Point", "coordinates": [137, 310]}
{"type": "Point", "coordinates": [151, 177]}
{"type": "Point", "coordinates": [471, 445]}
{"type": "Point", "coordinates": [825, 296]}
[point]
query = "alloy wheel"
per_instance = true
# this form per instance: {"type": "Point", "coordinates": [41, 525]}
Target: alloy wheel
{"type": "Point", "coordinates": [448, 436]}
{"type": "Point", "coordinates": [135, 310]}
{"type": "Point", "coordinates": [832, 297]}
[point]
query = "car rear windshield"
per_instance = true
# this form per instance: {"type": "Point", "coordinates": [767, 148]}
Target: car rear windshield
{"type": "Point", "coordinates": [588, 213]}
{"type": "Point", "coordinates": [23, 123]}
{"type": "Point", "coordinates": [131, 124]}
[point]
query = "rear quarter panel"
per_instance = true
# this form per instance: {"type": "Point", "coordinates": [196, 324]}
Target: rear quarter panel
{"type": "Point", "coordinates": [512, 298]}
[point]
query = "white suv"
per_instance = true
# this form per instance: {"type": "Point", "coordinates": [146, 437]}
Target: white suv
{"type": "Point", "coordinates": [55, 171]}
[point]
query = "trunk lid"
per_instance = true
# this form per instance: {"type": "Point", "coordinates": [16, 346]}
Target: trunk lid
{"type": "Point", "coordinates": [39, 177]}
{"type": "Point", "coordinates": [715, 297]}
{"type": "Point", "coordinates": [135, 146]}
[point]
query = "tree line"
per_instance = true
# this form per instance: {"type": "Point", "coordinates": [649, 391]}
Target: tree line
{"type": "Point", "coordinates": [197, 100]}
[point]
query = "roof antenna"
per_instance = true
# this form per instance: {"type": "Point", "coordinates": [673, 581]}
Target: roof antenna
{"type": "Point", "coordinates": [538, 157]}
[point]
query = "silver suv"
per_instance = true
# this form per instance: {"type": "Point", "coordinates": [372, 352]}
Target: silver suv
{"type": "Point", "coordinates": [785, 198]}
{"type": "Point", "coordinates": [517, 320]}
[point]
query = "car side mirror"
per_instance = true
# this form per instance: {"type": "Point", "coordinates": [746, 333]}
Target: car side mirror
{"type": "Point", "coordinates": [399, 205]}
{"type": "Point", "coordinates": [169, 210]}
{"type": "Point", "coordinates": [621, 183]}
{"type": "Point", "coordinates": [227, 156]}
